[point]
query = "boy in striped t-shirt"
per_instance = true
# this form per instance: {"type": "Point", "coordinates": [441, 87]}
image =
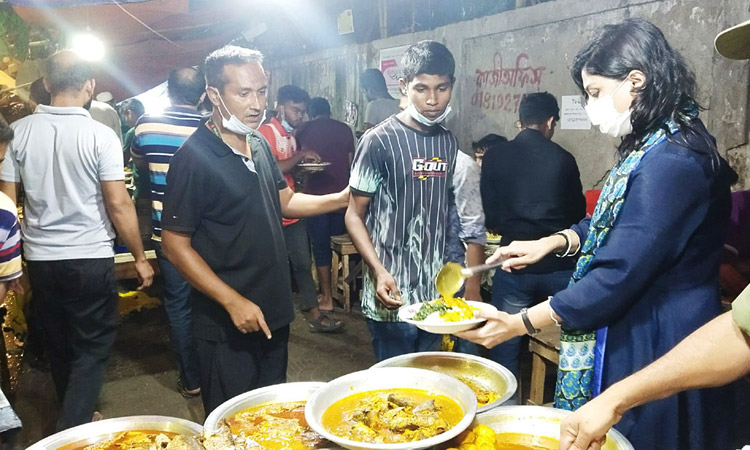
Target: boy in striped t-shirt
{"type": "Point", "coordinates": [401, 188]}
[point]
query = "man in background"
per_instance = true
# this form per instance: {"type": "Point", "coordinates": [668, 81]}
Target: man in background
{"type": "Point", "coordinates": [380, 104]}
{"type": "Point", "coordinates": [68, 230]}
{"type": "Point", "coordinates": [530, 188]}
{"type": "Point", "coordinates": [157, 138]}
{"type": "Point", "coordinates": [130, 111]}
{"type": "Point", "coordinates": [291, 108]}
{"type": "Point", "coordinates": [333, 141]}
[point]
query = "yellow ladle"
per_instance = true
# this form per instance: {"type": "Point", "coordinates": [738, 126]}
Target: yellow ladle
{"type": "Point", "coordinates": [451, 277]}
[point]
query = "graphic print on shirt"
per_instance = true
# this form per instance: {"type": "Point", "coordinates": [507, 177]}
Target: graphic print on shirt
{"type": "Point", "coordinates": [424, 168]}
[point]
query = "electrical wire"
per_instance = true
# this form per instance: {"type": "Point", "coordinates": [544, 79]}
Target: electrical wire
{"type": "Point", "coordinates": [145, 25]}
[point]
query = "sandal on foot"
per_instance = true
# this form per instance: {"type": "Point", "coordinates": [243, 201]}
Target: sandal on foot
{"type": "Point", "coordinates": [319, 326]}
{"type": "Point", "coordinates": [185, 392]}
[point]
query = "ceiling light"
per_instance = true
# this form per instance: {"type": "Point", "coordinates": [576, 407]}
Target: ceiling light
{"type": "Point", "coordinates": [88, 47]}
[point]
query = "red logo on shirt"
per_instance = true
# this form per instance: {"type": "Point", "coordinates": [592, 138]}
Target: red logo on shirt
{"type": "Point", "coordinates": [425, 168]}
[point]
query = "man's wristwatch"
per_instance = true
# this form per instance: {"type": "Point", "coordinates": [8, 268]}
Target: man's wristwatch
{"type": "Point", "coordinates": [529, 327]}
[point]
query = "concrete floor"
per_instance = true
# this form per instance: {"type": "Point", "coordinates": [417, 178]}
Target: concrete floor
{"type": "Point", "coordinates": [141, 376]}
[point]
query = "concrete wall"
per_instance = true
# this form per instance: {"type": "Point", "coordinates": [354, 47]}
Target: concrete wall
{"type": "Point", "coordinates": [540, 42]}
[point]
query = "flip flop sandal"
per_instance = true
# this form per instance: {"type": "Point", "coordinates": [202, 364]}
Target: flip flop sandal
{"type": "Point", "coordinates": [318, 326]}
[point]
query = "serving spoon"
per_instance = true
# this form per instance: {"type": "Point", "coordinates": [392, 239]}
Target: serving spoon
{"type": "Point", "coordinates": [451, 277]}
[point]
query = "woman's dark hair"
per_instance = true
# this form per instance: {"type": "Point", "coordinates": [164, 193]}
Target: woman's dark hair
{"type": "Point", "coordinates": [429, 57]}
{"type": "Point", "coordinates": [669, 90]}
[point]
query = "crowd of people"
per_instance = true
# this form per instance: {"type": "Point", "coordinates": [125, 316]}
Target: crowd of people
{"type": "Point", "coordinates": [235, 216]}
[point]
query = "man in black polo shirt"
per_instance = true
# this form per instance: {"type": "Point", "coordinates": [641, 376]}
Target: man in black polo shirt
{"type": "Point", "coordinates": [221, 225]}
{"type": "Point", "coordinates": [530, 188]}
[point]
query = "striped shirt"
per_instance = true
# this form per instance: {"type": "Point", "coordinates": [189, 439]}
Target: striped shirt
{"type": "Point", "coordinates": [157, 138]}
{"type": "Point", "coordinates": [409, 176]}
{"type": "Point", "coordinates": [10, 240]}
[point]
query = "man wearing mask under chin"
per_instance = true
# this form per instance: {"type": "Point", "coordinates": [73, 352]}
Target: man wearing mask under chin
{"type": "Point", "coordinates": [401, 184]}
{"type": "Point", "coordinates": [221, 228]}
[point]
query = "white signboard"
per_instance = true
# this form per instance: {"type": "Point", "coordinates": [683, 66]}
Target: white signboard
{"type": "Point", "coordinates": [572, 114]}
{"type": "Point", "coordinates": [390, 62]}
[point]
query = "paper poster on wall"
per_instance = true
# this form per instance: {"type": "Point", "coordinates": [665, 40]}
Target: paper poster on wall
{"type": "Point", "coordinates": [572, 114]}
{"type": "Point", "coordinates": [390, 60]}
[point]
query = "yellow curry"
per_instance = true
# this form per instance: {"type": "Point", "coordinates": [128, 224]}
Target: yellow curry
{"type": "Point", "coordinates": [483, 437]}
{"type": "Point", "coordinates": [276, 426]}
{"type": "Point", "coordinates": [392, 416]}
{"type": "Point", "coordinates": [134, 439]}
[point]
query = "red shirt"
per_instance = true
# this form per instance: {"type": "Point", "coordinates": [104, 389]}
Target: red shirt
{"type": "Point", "coordinates": [283, 146]}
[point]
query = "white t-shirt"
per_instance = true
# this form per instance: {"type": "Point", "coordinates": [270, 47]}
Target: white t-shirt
{"type": "Point", "coordinates": [61, 155]}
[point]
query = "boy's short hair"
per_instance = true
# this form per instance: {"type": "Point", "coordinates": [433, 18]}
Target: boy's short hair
{"type": "Point", "coordinates": [428, 57]}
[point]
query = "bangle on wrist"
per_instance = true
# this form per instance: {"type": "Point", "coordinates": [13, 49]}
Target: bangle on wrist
{"type": "Point", "coordinates": [530, 330]}
{"type": "Point", "coordinates": [568, 243]}
{"type": "Point", "coordinates": [578, 247]}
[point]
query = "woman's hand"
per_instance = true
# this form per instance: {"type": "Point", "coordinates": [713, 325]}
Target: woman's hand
{"type": "Point", "coordinates": [520, 254]}
{"type": "Point", "coordinates": [500, 327]}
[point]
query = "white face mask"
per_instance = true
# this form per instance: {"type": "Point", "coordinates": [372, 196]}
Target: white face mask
{"type": "Point", "coordinates": [416, 115]}
{"type": "Point", "coordinates": [287, 126]}
{"type": "Point", "coordinates": [602, 113]}
{"type": "Point", "coordinates": [234, 124]}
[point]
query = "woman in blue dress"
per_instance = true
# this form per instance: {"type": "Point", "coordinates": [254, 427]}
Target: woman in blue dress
{"type": "Point", "coordinates": [648, 259]}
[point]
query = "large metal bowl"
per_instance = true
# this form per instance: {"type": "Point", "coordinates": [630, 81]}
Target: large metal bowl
{"type": "Point", "coordinates": [538, 421]}
{"type": "Point", "coordinates": [278, 393]}
{"type": "Point", "coordinates": [488, 374]}
{"type": "Point", "coordinates": [104, 429]}
{"type": "Point", "coordinates": [391, 378]}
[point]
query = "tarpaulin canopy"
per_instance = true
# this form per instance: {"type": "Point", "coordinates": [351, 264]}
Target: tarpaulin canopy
{"type": "Point", "coordinates": [66, 3]}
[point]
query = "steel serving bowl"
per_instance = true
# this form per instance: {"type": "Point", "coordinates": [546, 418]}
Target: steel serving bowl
{"type": "Point", "coordinates": [278, 393]}
{"type": "Point", "coordinates": [538, 421]}
{"type": "Point", "coordinates": [485, 373]}
{"type": "Point", "coordinates": [391, 378]}
{"type": "Point", "coordinates": [105, 429]}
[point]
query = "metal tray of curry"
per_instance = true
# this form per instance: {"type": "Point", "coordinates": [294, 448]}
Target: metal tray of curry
{"type": "Point", "coordinates": [492, 383]}
{"type": "Point", "coordinates": [533, 428]}
{"type": "Point", "coordinates": [272, 417]}
{"type": "Point", "coordinates": [138, 427]}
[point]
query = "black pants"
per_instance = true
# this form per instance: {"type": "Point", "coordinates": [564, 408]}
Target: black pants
{"type": "Point", "coordinates": [76, 301]}
{"type": "Point", "coordinates": [240, 365]}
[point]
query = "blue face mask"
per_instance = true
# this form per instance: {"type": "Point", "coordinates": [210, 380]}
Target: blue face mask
{"type": "Point", "coordinates": [416, 115]}
{"type": "Point", "coordinates": [287, 126]}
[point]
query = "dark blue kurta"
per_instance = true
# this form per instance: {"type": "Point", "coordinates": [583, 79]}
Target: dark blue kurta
{"type": "Point", "coordinates": [653, 282]}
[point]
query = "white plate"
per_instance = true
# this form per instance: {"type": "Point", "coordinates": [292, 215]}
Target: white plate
{"type": "Point", "coordinates": [433, 323]}
{"type": "Point", "coordinates": [314, 165]}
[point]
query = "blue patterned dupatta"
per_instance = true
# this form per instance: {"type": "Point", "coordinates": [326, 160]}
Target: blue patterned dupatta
{"type": "Point", "coordinates": [579, 372]}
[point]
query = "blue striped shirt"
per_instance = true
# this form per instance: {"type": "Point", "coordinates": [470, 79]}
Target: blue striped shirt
{"type": "Point", "coordinates": [157, 138]}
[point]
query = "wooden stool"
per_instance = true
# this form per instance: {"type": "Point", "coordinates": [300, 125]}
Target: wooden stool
{"type": "Point", "coordinates": [545, 348]}
{"type": "Point", "coordinates": [341, 278]}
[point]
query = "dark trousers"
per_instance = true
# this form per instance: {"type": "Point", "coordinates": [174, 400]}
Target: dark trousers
{"type": "Point", "coordinates": [512, 292]}
{"type": "Point", "coordinates": [237, 366]}
{"type": "Point", "coordinates": [298, 250]}
{"type": "Point", "coordinates": [76, 301]}
{"type": "Point", "coordinates": [179, 312]}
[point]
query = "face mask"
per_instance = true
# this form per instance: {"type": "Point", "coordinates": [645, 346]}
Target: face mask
{"type": "Point", "coordinates": [234, 124]}
{"type": "Point", "coordinates": [288, 127]}
{"type": "Point", "coordinates": [416, 115]}
{"type": "Point", "coordinates": [602, 113]}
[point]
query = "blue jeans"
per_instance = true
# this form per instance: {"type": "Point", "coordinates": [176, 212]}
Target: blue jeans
{"type": "Point", "coordinates": [391, 339]}
{"type": "Point", "coordinates": [321, 228]}
{"type": "Point", "coordinates": [512, 292]}
{"type": "Point", "coordinates": [179, 312]}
